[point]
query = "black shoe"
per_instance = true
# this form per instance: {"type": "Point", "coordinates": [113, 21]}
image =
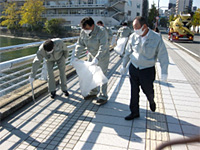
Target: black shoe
{"type": "Point", "coordinates": [101, 101]}
{"type": "Point", "coordinates": [53, 94]}
{"type": "Point", "coordinates": [152, 106]}
{"type": "Point", "coordinates": [66, 93]}
{"type": "Point", "coordinates": [90, 97]}
{"type": "Point", "coordinates": [132, 116]}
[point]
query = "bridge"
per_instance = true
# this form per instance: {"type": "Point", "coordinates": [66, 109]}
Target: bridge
{"type": "Point", "coordinates": [72, 123]}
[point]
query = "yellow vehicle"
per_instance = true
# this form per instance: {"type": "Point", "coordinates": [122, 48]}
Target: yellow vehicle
{"type": "Point", "coordinates": [179, 29]}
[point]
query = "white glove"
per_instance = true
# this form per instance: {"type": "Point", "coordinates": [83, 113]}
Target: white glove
{"type": "Point", "coordinates": [94, 61]}
{"type": "Point", "coordinates": [74, 59]}
{"type": "Point", "coordinates": [31, 79]}
{"type": "Point", "coordinates": [123, 70]}
{"type": "Point", "coordinates": [164, 77]}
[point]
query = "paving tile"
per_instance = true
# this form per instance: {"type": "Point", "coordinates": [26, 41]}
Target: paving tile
{"type": "Point", "coordinates": [189, 121]}
{"type": "Point", "coordinates": [172, 119]}
{"type": "Point", "coordinates": [87, 146]}
{"type": "Point", "coordinates": [171, 112]}
{"type": "Point", "coordinates": [7, 145]}
{"type": "Point", "coordinates": [106, 139]}
{"type": "Point", "coordinates": [111, 120]}
{"type": "Point", "coordinates": [188, 114]}
{"type": "Point", "coordinates": [175, 136]}
{"type": "Point", "coordinates": [138, 133]}
{"type": "Point", "coordinates": [112, 112]}
{"type": "Point", "coordinates": [179, 147]}
{"type": "Point", "coordinates": [116, 105]}
{"type": "Point", "coordinates": [174, 128]}
{"type": "Point", "coordinates": [189, 129]}
{"type": "Point", "coordinates": [193, 147]}
{"type": "Point", "coordinates": [137, 143]}
{"type": "Point", "coordinates": [109, 129]}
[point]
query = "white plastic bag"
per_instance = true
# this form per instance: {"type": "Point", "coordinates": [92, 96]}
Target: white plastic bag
{"type": "Point", "coordinates": [113, 41]}
{"type": "Point", "coordinates": [90, 76]}
{"type": "Point", "coordinates": [121, 43]}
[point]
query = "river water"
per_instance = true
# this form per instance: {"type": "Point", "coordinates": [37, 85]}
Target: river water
{"type": "Point", "coordinates": [8, 41]}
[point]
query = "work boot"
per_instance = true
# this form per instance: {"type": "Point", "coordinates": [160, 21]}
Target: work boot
{"type": "Point", "coordinates": [132, 116]}
{"type": "Point", "coordinates": [53, 94]}
{"type": "Point", "coordinates": [66, 93]}
{"type": "Point", "coordinates": [101, 101]}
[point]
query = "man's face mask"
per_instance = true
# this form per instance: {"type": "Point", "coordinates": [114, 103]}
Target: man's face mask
{"type": "Point", "coordinates": [87, 31]}
{"type": "Point", "coordinates": [139, 31]}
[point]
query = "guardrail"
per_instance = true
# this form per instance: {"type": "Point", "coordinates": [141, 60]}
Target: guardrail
{"type": "Point", "coordinates": [14, 73]}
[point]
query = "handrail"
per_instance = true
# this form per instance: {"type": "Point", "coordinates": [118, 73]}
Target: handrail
{"type": "Point", "coordinates": [28, 45]}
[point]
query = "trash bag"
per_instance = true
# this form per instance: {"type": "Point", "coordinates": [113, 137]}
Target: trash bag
{"type": "Point", "coordinates": [90, 76]}
{"type": "Point", "coordinates": [113, 41]}
{"type": "Point", "coordinates": [121, 43]}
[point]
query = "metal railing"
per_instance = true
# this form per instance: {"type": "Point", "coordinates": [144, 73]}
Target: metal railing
{"type": "Point", "coordinates": [14, 73]}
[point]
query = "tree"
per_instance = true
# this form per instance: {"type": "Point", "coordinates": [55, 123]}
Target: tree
{"type": "Point", "coordinates": [55, 26]}
{"type": "Point", "coordinates": [11, 17]}
{"type": "Point", "coordinates": [152, 16]}
{"type": "Point", "coordinates": [163, 22]}
{"type": "Point", "coordinates": [196, 18]}
{"type": "Point", "coordinates": [31, 13]}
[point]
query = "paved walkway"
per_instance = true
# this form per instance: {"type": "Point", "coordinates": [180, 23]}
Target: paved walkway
{"type": "Point", "coordinates": [75, 124]}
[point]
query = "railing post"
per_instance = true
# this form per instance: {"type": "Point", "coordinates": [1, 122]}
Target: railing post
{"type": "Point", "coordinates": [44, 71]}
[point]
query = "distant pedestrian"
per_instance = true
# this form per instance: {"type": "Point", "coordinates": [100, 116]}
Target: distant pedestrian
{"type": "Point", "coordinates": [143, 49]}
{"type": "Point", "coordinates": [156, 30]}
{"type": "Point", "coordinates": [109, 31]}
{"type": "Point", "coordinates": [54, 51]}
{"type": "Point", "coordinates": [124, 31]}
{"type": "Point", "coordinates": [95, 39]}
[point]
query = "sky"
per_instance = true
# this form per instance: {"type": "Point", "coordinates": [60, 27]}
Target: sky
{"type": "Point", "coordinates": [166, 2]}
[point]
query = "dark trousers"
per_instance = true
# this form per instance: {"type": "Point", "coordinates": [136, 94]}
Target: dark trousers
{"type": "Point", "coordinates": [143, 78]}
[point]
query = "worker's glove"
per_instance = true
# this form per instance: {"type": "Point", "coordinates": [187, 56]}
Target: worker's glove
{"type": "Point", "coordinates": [94, 61]}
{"type": "Point", "coordinates": [74, 59]}
{"type": "Point", "coordinates": [31, 79]}
{"type": "Point", "coordinates": [164, 77]}
{"type": "Point", "coordinates": [123, 70]}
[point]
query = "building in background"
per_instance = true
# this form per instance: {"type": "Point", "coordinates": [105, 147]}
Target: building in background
{"type": "Point", "coordinates": [183, 6]}
{"type": "Point", "coordinates": [111, 12]}
{"type": "Point", "coordinates": [172, 7]}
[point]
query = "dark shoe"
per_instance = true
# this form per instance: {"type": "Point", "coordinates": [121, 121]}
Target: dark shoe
{"type": "Point", "coordinates": [152, 106]}
{"type": "Point", "coordinates": [90, 97]}
{"type": "Point", "coordinates": [66, 93]}
{"type": "Point", "coordinates": [132, 116]}
{"type": "Point", "coordinates": [101, 101]}
{"type": "Point", "coordinates": [53, 94]}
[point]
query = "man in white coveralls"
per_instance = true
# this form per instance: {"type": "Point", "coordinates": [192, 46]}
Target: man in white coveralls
{"type": "Point", "coordinates": [54, 51]}
{"type": "Point", "coordinates": [95, 39]}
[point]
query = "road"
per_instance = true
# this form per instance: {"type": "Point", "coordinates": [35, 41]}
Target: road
{"type": "Point", "coordinates": [193, 47]}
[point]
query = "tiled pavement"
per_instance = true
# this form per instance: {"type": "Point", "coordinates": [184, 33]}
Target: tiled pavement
{"type": "Point", "coordinates": [73, 123]}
